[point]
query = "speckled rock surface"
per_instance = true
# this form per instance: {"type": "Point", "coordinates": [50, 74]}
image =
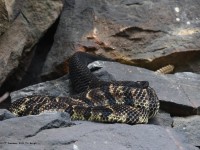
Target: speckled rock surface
{"type": "Point", "coordinates": [190, 127]}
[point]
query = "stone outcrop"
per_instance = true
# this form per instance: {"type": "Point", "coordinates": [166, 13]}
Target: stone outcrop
{"type": "Point", "coordinates": [162, 119]}
{"type": "Point", "coordinates": [190, 127]}
{"type": "Point", "coordinates": [31, 125]}
{"type": "Point", "coordinates": [5, 114]}
{"type": "Point", "coordinates": [109, 136]}
{"type": "Point", "coordinates": [58, 87]}
{"type": "Point", "coordinates": [4, 18]}
{"type": "Point", "coordinates": [146, 33]}
{"type": "Point", "coordinates": [149, 34]}
{"type": "Point", "coordinates": [56, 131]}
{"type": "Point", "coordinates": [30, 20]}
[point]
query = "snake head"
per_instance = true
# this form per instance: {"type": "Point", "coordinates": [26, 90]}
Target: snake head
{"type": "Point", "coordinates": [143, 84]}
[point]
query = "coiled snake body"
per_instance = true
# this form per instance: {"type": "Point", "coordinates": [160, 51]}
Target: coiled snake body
{"type": "Point", "coordinates": [115, 101]}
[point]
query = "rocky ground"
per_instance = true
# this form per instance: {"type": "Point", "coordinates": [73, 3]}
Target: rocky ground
{"type": "Point", "coordinates": [164, 131]}
{"type": "Point", "coordinates": [37, 38]}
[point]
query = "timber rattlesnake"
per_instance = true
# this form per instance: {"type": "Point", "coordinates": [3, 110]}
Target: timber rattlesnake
{"type": "Point", "coordinates": [116, 101]}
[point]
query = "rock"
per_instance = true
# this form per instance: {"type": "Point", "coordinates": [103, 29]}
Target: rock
{"type": "Point", "coordinates": [74, 23]}
{"type": "Point", "coordinates": [190, 127]}
{"type": "Point", "coordinates": [5, 114]}
{"type": "Point", "coordinates": [87, 135]}
{"type": "Point", "coordinates": [195, 67]}
{"type": "Point", "coordinates": [28, 126]}
{"type": "Point", "coordinates": [4, 18]}
{"type": "Point", "coordinates": [33, 72]}
{"type": "Point", "coordinates": [58, 87]}
{"type": "Point", "coordinates": [162, 119]}
{"type": "Point", "coordinates": [5, 100]}
{"type": "Point", "coordinates": [147, 33]}
{"type": "Point", "coordinates": [4, 97]}
{"type": "Point", "coordinates": [32, 21]}
{"type": "Point", "coordinates": [178, 93]}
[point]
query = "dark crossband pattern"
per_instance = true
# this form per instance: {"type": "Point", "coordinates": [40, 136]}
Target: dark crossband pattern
{"type": "Point", "coordinates": [116, 101]}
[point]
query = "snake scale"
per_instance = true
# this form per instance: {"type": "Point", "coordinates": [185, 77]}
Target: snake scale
{"type": "Point", "coordinates": [101, 101]}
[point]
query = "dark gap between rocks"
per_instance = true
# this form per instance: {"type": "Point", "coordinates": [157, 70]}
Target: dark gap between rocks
{"type": "Point", "coordinates": [183, 62]}
{"type": "Point", "coordinates": [20, 78]}
{"type": "Point", "coordinates": [178, 109]}
{"type": "Point", "coordinates": [42, 49]}
{"type": "Point", "coordinates": [131, 30]}
{"type": "Point", "coordinates": [134, 4]}
{"type": "Point", "coordinates": [65, 142]}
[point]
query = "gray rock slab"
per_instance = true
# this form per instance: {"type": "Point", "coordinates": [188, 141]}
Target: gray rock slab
{"type": "Point", "coordinates": [97, 136]}
{"type": "Point", "coordinates": [162, 119]}
{"type": "Point", "coordinates": [21, 127]}
{"type": "Point", "coordinates": [58, 87]}
{"type": "Point", "coordinates": [179, 89]}
{"type": "Point", "coordinates": [4, 18]}
{"type": "Point", "coordinates": [23, 146]}
{"type": "Point", "coordinates": [190, 127]}
{"type": "Point", "coordinates": [5, 114]}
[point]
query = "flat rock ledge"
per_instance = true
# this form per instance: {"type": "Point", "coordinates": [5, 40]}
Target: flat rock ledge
{"type": "Point", "coordinates": [5, 114]}
{"type": "Point", "coordinates": [42, 132]}
{"type": "Point", "coordinates": [190, 127]}
{"type": "Point", "coordinates": [28, 126]}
